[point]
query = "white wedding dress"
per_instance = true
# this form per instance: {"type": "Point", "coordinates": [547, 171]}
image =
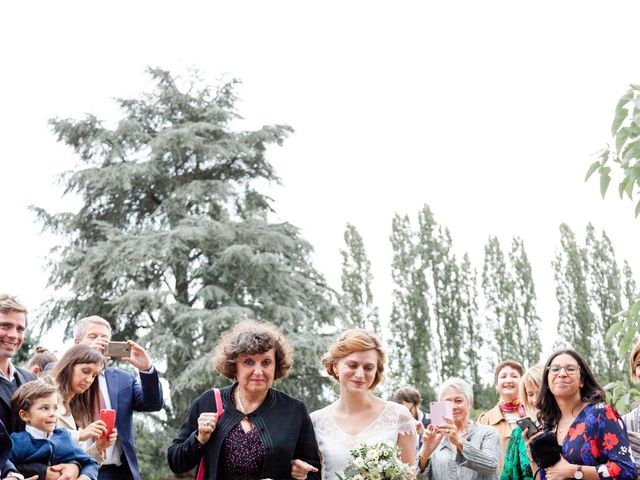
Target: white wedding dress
{"type": "Point", "coordinates": [334, 443]}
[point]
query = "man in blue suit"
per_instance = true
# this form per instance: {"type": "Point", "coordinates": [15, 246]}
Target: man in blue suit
{"type": "Point", "coordinates": [122, 392]}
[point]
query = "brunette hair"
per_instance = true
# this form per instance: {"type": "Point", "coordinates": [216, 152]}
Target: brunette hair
{"type": "Point", "coordinates": [634, 359]}
{"type": "Point", "coordinates": [590, 391]}
{"type": "Point", "coordinates": [250, 337]}
{"type": "Point", "coordinates": [29, 392]}
{"type": "Point", "coordinates": [354, 340]}
{"type": "Point", "coordinates": [82, 407]}
{"type": "Point", "coordinates": [407, 394]}
{"type": "Point", "coordinates": [507, 363]}
{"type": "Point", "coordinates": [41, 359]}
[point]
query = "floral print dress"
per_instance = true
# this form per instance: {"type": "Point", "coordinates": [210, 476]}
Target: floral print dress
{"type": "Point", "coordinates": [598, 438]}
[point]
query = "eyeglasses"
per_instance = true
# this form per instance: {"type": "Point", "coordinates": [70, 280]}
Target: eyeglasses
{"type": "Point", "coordinates": [569, 369]}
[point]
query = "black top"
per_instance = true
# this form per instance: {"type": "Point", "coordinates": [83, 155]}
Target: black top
{"type": "Point", "coordinates": [282, 422]}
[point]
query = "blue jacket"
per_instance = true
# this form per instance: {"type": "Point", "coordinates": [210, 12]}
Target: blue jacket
{"type": "Point", "coordinates": [58, 448]}
{"type": "Point", "coordinates": [128, 395]}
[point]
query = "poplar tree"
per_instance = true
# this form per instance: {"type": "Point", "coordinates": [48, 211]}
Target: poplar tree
{"type": "Point", "coordinates": [473, 334]}
{"type": "Point", "coordinates": [356, 298]}
{"type": "Point", "coordinates": [410, 320]}
{"type": "Point", "coordinates": [575, 319]}
{"type": "Point", "coordinates": [525, 304]}
{"type": "Point", "coordinates": [498, 288]}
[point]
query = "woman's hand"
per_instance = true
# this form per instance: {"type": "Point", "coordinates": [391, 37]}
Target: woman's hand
{"type": "Point", "coordinates": [431, 438]}
{"type": "Point", "coordinates": [527, 442]}
{"type": "Point", "coordinates": [300, 469]}
{"type": "Point", "coordinates": [206, 425]}
{"type": "Point", "coordinates": [93, 430]}
{"type": "Point", "coordinates": [560, 470]}
{"type": "Point", "coordinates": [451, 431]}
{"type": "Point", "coordinates": [103, 443]}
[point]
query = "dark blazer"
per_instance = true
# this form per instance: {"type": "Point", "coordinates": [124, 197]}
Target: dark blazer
{"type": "Point", "coordinates": [128, 395]}
{"type": "Point", "coordinates": [283, 424]}
{"type": "Point", "coordinates": [10, 418]}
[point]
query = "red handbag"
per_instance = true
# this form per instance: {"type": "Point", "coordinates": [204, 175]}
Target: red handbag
{"type": "Point", "coordinates": [219, 412]}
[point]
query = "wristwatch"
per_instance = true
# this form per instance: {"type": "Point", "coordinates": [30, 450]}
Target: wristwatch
{"type": "Point", "coordinates": [578, 473]}
{"type": "Point", "coordinates": [15, 475]}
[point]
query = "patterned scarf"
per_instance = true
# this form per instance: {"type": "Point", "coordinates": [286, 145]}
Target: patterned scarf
{"type": "Point", "coordinates": [513, 406]}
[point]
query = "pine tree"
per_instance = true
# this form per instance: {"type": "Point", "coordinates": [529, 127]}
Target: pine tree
{"type": "Point", "coordinates": [356, 298]}
{"type": "Point", "coordinates": [172, 242]}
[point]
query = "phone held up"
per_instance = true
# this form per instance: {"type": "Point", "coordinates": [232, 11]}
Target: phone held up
{"type": "Point", "coordinates": [108, 416]}
{"type": "Point", "coordinates": [118, 349]}
{"type": "Point", "coordinates": [439, 410]}
{"type": "Point", "coordinates": [527, 424]}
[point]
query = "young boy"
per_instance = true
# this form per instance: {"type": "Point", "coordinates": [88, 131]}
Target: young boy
{"type": "Point", "coordinates": [37, 405]}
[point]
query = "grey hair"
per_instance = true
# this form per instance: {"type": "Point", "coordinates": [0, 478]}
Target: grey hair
{"type": "Point", "coordinates": [458, 384]}
{"type": "Point", "coordinates": [80, 327]}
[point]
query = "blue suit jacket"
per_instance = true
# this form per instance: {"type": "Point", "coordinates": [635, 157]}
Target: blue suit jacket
{"type": "Point", "coordinates": [128, 395]}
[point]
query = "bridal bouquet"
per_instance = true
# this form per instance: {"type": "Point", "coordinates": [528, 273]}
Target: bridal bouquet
{"type": "Point", "coordinates": [377, 462]}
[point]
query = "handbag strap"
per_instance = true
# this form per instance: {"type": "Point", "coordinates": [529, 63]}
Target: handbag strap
{"type": "Point", "coordinates": [219, 412]}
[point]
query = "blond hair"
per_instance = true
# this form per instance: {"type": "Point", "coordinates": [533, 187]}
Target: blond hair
{"type": "Point", "coordinates": [354, 340]}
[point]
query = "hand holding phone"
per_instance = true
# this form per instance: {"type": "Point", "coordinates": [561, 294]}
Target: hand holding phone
{"type": "Point", "coordinates": [118, 349]}
{"type": "Point", "coordinates": [439, 410]}
{"type": "Point", "coordinates": [108, 416]}
{"type": "Point", "coordinates": [526, 424]}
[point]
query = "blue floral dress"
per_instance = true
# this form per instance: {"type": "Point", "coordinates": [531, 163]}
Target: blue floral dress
{"type": "Point", "coordinates": [598, 438]}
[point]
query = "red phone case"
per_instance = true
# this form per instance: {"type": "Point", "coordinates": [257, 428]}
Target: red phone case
{"type": "Point", "coordinates": [108, 416]}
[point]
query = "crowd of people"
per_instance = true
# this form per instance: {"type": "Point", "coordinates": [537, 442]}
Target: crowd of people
{"type": "Point", "coordinates": [551, 420]}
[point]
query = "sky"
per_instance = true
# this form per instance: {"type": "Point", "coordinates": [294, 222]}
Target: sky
{"type": "Point", "coordinates": [489, 112]}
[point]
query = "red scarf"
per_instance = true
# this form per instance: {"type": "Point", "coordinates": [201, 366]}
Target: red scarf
{"type": "Point", "coordinates": [513, 406]}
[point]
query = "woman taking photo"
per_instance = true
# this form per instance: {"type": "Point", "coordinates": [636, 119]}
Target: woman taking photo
{"type": "Point", "coordinates": [262, 429]}
{"type": "Point", "coordinates": [592, 435]}
{"type": "Point", "coordinates": [509, 409]}
{"type": "Point", "coordinates": [356, 362]}
{"type": "Point", "coordinates": [460, 448]}
{"type": "Point", "coordinates": [517, 465]}
{"type": "Point", "coordinates": [75, 376]}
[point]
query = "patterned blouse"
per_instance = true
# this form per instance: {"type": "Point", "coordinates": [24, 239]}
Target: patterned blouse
{"type": "Point", "coordinates": [242, 454]}
{"type": "Point", "coordinates": [598, 438]}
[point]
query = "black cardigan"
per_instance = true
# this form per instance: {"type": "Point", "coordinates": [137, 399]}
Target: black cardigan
{"type": "Point", "coordinates": [283, 424]}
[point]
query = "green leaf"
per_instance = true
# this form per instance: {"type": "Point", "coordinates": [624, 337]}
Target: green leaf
{"type": "Point", "coordinates": [594, 166]}
{"type": "Point", "coordinates": [613, 331]}
{"type": "Point", "coordinates": [637, 209]}
{"type": "Point", "coordinates": [621, 111]}
{"type": "Point", "coordinates": [621, 137]}
{"type": "Point", "coordinates": [605, 179]}
{"type": "Point", "coordinates": [629, 187]}
{"type": "Point", "coordinates": [622, 187]}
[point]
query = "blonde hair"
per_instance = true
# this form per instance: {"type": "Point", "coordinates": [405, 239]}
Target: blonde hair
{"type": "Point", "coordinates": [9, 303]}
{"type": "Point", "coordinates": [354, 340]}
{"type": "Point", "coordinates": [533, 376]}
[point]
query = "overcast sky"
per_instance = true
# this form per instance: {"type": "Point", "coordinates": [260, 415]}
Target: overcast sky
{"type": "Point", "coordinates": [489, 112]}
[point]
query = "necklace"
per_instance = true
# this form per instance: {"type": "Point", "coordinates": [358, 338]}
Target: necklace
{"type": "Point", "coordinates": [239, 403]}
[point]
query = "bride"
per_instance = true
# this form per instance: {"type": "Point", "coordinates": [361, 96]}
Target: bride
{"type": "Point", "coordinates": [356, 361]}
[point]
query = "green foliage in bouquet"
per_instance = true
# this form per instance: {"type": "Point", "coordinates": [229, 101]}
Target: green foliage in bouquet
{"type": "Point", "coordinates": [380, 461]}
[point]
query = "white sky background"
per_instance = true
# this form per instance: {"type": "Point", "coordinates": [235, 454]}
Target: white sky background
{"type": "Point", "coordinates": [490, 112]}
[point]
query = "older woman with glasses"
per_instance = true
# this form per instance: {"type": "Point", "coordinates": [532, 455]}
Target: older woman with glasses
{"type": "Point", "coordinates": [592, 435]}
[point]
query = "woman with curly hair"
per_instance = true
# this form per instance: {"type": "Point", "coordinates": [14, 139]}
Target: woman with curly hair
{"type": "Point", "coordinates": [262, 429]}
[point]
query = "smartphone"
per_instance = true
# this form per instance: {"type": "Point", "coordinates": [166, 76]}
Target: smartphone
{"type": "Point", "coordinates": [439, 410]}
{"type": "Point", "coordinates": [118, 349]}
{"type": "Point", "coordinates": [108, 416]}
{"type": "Point", "coordinates": [527, 424]}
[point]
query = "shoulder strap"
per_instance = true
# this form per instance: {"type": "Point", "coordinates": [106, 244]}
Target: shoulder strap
{"type": "Point", "coordinates": [219, 406]}
{"type": "Point", "coordinates": [220, 411]}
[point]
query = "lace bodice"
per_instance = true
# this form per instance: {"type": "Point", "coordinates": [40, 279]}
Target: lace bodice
{"type": "Point", "coordinates": [334, 443]}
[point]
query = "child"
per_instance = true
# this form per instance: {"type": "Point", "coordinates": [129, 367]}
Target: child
{"type": "Point", "coordinates": [37, 405]}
